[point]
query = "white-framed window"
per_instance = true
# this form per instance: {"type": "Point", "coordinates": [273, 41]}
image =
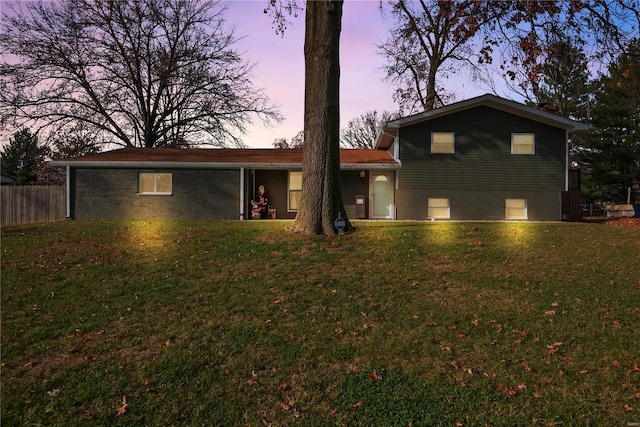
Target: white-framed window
{"type": "Point", "coordinates": [155, 183]}
{"type": "Point", "coordinates": [443, 142]}
{"type": "Point", "coordinates": [523, 143]}
{"type": "Point", "coordinates": [295, 189]}
{"type": "Point", "coordinates": [438, 208]}
{"type": "Point", "coordinates": [515, 208]}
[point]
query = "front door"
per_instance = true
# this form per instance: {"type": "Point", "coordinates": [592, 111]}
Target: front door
{"type": "Point", "coordinates": [382, 204]}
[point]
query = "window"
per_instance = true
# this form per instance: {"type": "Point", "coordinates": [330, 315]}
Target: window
{"type": "Point", "coordinates": [442, 142]}
{"type": "Point", "coordinates": [523, 143]}
{"type": "Point", "coordinates": [515, 209]}
{"type": "Point", "coordinates": [295, 189]}
{"type": "Point", "coordinates": [154, 183]}
{"type": "Point", "coordinates": [438, 208]}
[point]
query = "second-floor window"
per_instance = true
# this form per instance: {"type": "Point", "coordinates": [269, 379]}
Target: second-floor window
{"type": "Point", "coordinates": [443, 142]}
{"type": "Point", "coordinates": [523, 143]}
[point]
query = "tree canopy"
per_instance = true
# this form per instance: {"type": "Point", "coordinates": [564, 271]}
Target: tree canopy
{"type": "Point", "coordinates": [432, 39]}
{"type": "Point", "coordinates": [361, 131]}
{"type": "Point", "coordinates": [610, 155]}
{"type": "Point", "coordinates": [148, 73]}
{"type": "Point", "coordinates": [21, 157]}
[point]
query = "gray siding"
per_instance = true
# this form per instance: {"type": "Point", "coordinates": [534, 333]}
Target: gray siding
{"type": "Point", "coordinates": [197, 194]}
{"type": "Point", "coordinates": [483, 158]}
{"type": "Point", "coordinates": [482, 172]}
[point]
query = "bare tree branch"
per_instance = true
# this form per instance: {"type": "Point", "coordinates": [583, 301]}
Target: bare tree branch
{"type": "Point", "coordinates": [148, 73]}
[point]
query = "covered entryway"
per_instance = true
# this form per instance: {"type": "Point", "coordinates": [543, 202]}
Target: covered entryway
{"type": "Point", "coordinates": [381, 189]}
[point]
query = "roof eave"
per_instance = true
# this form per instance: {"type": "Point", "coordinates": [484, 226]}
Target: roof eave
{"type": "Point", "coordinates": [498, 103]}
{"type": "Point", "coordinates": [204, 165]}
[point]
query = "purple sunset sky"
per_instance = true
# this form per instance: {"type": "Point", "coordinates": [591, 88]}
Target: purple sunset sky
{"type": "Point", "coordinates": [279, 65]}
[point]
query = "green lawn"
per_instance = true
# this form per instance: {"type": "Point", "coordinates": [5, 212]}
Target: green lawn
{"type": "Point", "coordinates": [243, 323]}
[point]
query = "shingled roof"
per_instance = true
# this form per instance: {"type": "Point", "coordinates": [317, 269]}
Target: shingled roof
{"type": "Point", "coordinates": [258, 158]}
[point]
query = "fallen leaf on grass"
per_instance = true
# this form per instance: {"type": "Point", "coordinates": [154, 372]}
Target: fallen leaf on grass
{"type": "Point", "coordinates": [628, 408]}
{"type": "Point", "coordinates": [286, 406]}
{"type": "Point", "coordinates": [508, 391]}
{"type": "Point", "coordinates": [356, 405]}
{"type": "Point", "coordinates": [550, 313]}
{"type": "Point", "coordinates": [634, 369]}
{"type": "Point", "coordinates": [375, 376]}
{"type": "Point", "coordinates": [123, 408]}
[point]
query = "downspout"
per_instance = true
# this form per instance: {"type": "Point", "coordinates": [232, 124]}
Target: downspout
{"type": "Point", "coordinates": [68, 192]}
{"type": "Point", "coordinates": [396, 155]}
{"type": "Point", "coordinates": [241, 194]}
{"type": "Point", "coordinates": [567, 164]}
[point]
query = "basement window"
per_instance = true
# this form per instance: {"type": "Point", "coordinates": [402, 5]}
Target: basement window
{"type": "Point", "coordinates": [515, 209]}
{"type": "Point", "coordinates": [438, 209]}
{"type": "Point", "coordinates": [158, 183]}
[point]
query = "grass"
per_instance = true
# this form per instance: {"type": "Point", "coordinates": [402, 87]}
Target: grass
{"type": "Point", "coordinates": [230, 323]}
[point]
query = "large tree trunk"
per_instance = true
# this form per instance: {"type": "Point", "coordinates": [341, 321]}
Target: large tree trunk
{"type": "Point", "coordinates": [321, 199]}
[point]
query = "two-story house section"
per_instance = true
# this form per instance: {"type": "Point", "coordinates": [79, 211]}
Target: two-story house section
{"type": "Point", "coordinates": [486, 158]}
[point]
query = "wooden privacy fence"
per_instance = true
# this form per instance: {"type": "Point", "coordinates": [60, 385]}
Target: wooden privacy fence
{"type": "Point", "coordinates": [24, 204]}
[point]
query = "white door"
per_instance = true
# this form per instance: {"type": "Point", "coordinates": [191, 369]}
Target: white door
{"type": "Point", "coordinates": [382, 205]}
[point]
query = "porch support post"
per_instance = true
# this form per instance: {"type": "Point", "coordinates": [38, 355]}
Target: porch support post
{"type": "Point", "coordinates": [241, 194]}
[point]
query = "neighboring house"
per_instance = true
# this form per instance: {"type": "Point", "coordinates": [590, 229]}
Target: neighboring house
{"type": "Point", "coordinates": [486, 158]}
{"type": "Point", "coordinates": [5, 180]}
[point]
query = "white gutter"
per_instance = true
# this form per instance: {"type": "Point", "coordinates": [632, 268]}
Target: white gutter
{"type": "Point", "coordinates": [208, 165]}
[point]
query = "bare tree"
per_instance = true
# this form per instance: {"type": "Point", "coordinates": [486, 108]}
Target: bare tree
{"type": "Point", "coordinates": [147, 73]}
{"type": "Point", "coordinates": [69, 142]}
{"type": "Point", "coordinates": [431, 39]}
{"type": "Point", "coordinates": [295, 142]}
{"type": "Point", "coordinates": [361, 131]}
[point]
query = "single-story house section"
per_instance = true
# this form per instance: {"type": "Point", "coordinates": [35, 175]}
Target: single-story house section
{"type": "Point", "coordinates": [486, 158]}
{"type": "Point", "coordinates": [214, 184]}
